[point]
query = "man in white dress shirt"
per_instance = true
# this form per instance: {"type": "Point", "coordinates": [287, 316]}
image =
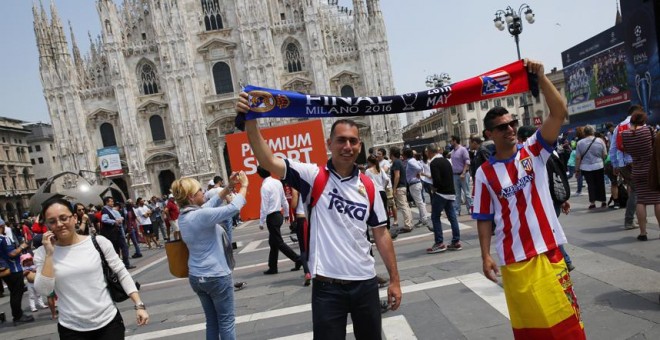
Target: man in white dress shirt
{"type": "Point", "coordinates": [272, 203]}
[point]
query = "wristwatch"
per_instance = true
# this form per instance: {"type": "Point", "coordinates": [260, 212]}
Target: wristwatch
{"type": "Point", "coordinates": [140, 305]}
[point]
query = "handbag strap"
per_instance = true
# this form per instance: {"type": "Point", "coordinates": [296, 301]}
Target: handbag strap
{"type": "Point", "coordinates": [104, 263]}
{"type": "Point", "coordinates": [589, 147]}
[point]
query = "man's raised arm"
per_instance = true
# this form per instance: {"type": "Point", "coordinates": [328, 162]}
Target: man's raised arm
{"type": "Point", "coordinates": [558, 111]}
{"type": "Point", "coordinates": [259, 147]}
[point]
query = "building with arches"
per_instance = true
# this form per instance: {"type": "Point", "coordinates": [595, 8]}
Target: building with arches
{"type": "Point", "coordinates": [17, 183]}
{"type": "Point", "coordinates": [162, 79]}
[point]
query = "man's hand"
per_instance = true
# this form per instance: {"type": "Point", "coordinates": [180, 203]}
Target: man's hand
{"type": "Point", "coordinates": [491, 271]}
{"type": "Point", "coordinates": [242, 106]}
{"type": "Point", "coordinates": [394, 295]}
{"type": "Point", "coordinates": [566, 207]}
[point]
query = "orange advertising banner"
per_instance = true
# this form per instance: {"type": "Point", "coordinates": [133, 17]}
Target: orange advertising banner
{"type": "Point", "coordinates": [303, 142]}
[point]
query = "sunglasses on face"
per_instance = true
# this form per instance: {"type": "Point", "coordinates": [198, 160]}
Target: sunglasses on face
{"type": "Point", "coordinates": [505, 126]}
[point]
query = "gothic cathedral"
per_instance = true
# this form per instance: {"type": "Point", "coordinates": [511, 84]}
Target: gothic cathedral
{"type": "Point", "coordinates": [161, 80]}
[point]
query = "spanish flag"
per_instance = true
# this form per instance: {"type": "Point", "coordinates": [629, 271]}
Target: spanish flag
{"type": "Point", "coordinates": [540, 297]}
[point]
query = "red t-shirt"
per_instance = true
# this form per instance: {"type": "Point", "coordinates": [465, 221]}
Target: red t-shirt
{"type": "Point", "coordinates": [38, 228]}
{"type": "Point", "coordinates": [172, 210]}
{"type": "Point", "coordinates": [26, 233]}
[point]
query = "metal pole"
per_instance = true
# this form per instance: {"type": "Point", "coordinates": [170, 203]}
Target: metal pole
{"type": "Point", "coordinates": [517, 45]}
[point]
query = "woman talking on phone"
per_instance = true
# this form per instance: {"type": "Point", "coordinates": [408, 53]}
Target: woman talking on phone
{"type": "Point", "coordinates": [66, 259]}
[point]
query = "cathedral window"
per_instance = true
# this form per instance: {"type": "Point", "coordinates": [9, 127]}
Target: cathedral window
{"type": "Point", "coordinates": [222, 78]}
{"type": "Point", "coordinates": [148, 79]}
{"type": "Point", "coordinates": [347, 91]}
{"type": "Point", "coordinates": [293, 60]}
{"type": "Point", "coordinates": [157, 128]}
{"type": "Point", "coordinates": [474, 129]}
{"type": "Point", "coordinates": [212, 17]}
{"type": "Point", "coordinates": [108, 135]}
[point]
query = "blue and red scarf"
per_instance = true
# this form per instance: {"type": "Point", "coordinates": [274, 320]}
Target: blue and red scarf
{"type": "Point", "coordinates": [504, 81]}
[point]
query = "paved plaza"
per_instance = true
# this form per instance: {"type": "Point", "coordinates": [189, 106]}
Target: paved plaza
{"type": "Point", "coordinates": [445, 296]}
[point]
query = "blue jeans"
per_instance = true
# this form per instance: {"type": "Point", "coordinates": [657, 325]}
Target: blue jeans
{"type": "Point", "coordinates": [580, 182]}
{"type": "Point", "coordinates": [123, 246]}
{"type": "Point", "coordinates": [462, 188]}
{"type": "Point", "coordinates": [217, 297]}
{"type": "Point", "coordinates": [331, 303]}
{"type": "Point", "coordinates": [134, 239]}
{"type": "Point", "coordinates": [438, 204]}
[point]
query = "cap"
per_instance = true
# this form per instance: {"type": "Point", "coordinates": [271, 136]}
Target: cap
{"type": "Point", "coordinates": [211, 182]}
{"type": "Point", "coordinates": [25, 257]}
{"type": "Point", "coordinates": [526, 131]}
{"type": "Point", "coordinates": [170, 196]}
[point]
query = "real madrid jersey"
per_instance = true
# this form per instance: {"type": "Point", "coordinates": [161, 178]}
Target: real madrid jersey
{"type": "Point", "coordinates": [515, 192]}
{"type": "Point", "coordinates": [338, 246]}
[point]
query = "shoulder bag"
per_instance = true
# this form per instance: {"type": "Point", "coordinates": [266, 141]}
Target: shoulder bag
{"type": "Point", "coordinates": [115, 289]}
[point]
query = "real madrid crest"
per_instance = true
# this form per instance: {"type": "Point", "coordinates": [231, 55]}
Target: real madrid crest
{"type": "Point", "coordinates": [362, 190]}
{"type": "Point", "coordinates": [262, 101]}
{"type": "Point", "coordinates": [527, 164]}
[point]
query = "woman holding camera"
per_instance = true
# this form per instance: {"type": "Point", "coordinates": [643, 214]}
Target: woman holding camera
{"type": "Point", "coordinates": [67, 259]}
{"type": "Point", "coordinates": [210, 276]}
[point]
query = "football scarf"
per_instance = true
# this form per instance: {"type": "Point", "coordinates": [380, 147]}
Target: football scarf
{"type": "Point", "coordinates": [504, 81]}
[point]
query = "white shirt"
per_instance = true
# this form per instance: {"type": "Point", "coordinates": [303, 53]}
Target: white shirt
{"type": "Point", "coordinates": [139, 213]}
{"type": "Point", "coordinates": [338, 246]}
{"type": "Point", "coordinates": [426, 171]}
{"type": "Point", "coordinates": [380, 180]}
{"type": "Point", "coordinates": [272, 199]}
{"type": "Point", "coordinates": [83, 299]}
{"type": "Point", "coordinates": [209, 193]}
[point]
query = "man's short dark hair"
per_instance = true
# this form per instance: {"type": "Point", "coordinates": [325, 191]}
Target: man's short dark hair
{"type": "Point", "coordinates": [383, 151]}
{"type": "Point", "coordinates": [456, 139]}
{"type": "Point", "coordinates": [263, 173]}
{"type": "Point", "coordinates": [493, 113]}
{"type": "Point", "coordinates": [350, 123]}
{"type": "Point", "coordinates": [432, 148]}
{"type": "Point", "coordinates": [395, 152]}
{"type": "Point", "coordinates": [525, 132]}
{"type": "Point", "coordinates": [408, 153]}
{"type": "Point", "coordinates": [106, 199]}
{"type": "Point", "coordinates": [217, 179]}
{"type": "Point", "coordinates": [370, 151]}
{"type": "Point", "coordinates": [476, 139]}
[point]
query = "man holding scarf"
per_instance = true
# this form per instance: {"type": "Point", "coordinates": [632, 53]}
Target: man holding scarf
{"type": "Point", "coordinates": [341, 265]}
{"type": "Point", "coordinates": [512, 187]}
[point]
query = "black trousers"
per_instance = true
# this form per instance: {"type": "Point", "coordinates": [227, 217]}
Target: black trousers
{"type": "Point", "coordinates": [332, 302]}
{"type": "Point", "coordinates": [16, 287]}
{"type": "Point", "coordinates": [115, 330]}
{"type": "Point", "coordinates": [274, 222]}
{"type": "Point", "coordinates": [595, 184]}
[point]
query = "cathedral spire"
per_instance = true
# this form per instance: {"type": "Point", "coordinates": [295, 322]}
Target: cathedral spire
{"type": "Point", "coordinates": [60, 46]}
{"type": "Point", "coordinates": [77, 59]}
{"type": "Point", "coordinates": [618, 19]}
{"type": "Point", "coordinates": [40, 24]}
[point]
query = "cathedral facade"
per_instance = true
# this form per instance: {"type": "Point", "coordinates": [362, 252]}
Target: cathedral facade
{"type": "Point", "coordinates": [161, 81]}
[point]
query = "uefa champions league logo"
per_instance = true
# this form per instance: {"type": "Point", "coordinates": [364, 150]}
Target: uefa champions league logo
{"type": "Point", "coordinates": [409, 99]}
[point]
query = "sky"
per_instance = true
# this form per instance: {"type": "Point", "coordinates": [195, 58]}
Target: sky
{"type": "Point", "coordinates": [425, 37]}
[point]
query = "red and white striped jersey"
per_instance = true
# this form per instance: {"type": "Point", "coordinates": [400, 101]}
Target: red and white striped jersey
{"type": "Point", "coordinates": [515, 193]}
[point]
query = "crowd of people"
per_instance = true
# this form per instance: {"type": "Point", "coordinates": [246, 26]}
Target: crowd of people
{"type": "Point", "coordinates": [512, 173]}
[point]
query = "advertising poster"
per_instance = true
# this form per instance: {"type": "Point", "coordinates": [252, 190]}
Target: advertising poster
{"type": "Point", "coordinates": [642, 64]}
{"type": "Point", "coordinates": [109, 162]}
{"type": "Point", "coordinates": [303, 142]}
{"type": "Point", "coordinates": [595, 72]}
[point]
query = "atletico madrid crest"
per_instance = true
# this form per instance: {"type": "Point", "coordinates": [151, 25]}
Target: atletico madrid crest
{"type": "Point", "coordinates": [527, 164]}
{"type": "Point", "coordinates": [494, 83]}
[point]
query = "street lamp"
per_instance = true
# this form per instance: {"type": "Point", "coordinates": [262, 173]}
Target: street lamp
{"type": "Point", "coordinates": [515, 27]}
{"type": "Point", "coordinates": [514, 21]}
{"type": "Point", "coordinates": [440, 80]}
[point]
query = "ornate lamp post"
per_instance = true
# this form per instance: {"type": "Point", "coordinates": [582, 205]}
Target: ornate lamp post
{"type": "Point", "coordinates": [514, 21]}
{"type": "Point", "coordinates": [514, 24]}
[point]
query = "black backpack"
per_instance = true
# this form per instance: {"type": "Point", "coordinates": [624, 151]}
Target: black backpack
{"type": "Point", "coordinates": [559, 187]}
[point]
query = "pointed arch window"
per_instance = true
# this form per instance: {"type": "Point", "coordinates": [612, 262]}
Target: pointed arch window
{"type": "Point", "coordinates": [108, 135]}
{"type": "Point", "coordinates": [212, 16]}
{"type": "Point", "coordinates": [157, 128]}
{"type": "Point", "coordinates": [148, 78]}
{"type": "Point", "coordinates": [347, 91]}
{"type": "Point", "coordinates": [293, 60]}
{"type": "Point", "coordinates": [222, 78]}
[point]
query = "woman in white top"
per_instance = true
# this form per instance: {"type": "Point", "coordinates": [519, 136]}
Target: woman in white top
{"type": "Point", "coordinates": [591, 151]}
{"type": "Point", "coordinates": [380, 179]}
{"type": "Point", "coordinates": [67, 259]}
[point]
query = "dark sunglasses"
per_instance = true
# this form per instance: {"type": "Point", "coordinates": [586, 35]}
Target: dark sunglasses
{"type": "Point", "coordinates": [505, 126]}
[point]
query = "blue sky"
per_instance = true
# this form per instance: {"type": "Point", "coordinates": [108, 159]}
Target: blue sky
{"type": "Point", "coordinates": [425, 37]}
